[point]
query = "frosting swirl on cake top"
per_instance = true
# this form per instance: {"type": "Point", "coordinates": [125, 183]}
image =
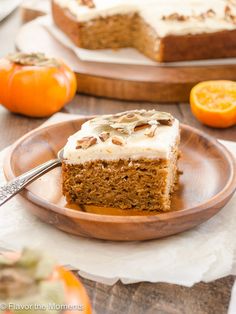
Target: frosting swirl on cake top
{"type": "Point", "coordinates": [127, 135]}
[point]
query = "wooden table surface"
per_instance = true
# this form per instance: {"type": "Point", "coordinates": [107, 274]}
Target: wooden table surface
{"type": "Point", "coordinates": [140, 298]}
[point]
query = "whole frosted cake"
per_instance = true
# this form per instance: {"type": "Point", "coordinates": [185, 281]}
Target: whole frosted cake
{"type": "Point", "coordinates": [164, 30]}
{"type": "Point", "coordinates": [127, 161]}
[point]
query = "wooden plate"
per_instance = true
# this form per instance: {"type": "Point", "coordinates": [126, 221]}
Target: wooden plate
{"type": "Point", "coordinates": [207, 184]}
{"type": "Point", "coordinates": [122, 81]}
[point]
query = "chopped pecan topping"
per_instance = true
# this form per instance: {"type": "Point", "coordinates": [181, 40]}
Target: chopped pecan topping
{"type": "Point", "coordinates": [141, 127]}
{"type": "Point", "coordinates": [227, 10]}
{"type": "Point", "coordinates": [117, 140]}
{"type": "Point", "coordinates": [229, 16]}
{"type": "Point", "coordinates": [86, 142]}
{"type": "Point", "coordinates": [182, 18]}
{"type": "Point", "coordinates": [168, 122]}
{"type": "Point", "coordinates": [122, 130]}
{"type": "Point", "coordinates": [129, 117]}
{"type": "Point", "coordinates": [175, 17]}
{"type": "Point", "coordinates": [208, 13]}
{"type": "Point", "coordinates": [104, 136]}
{"type": "Point", "coordinates": [127, 122]}
{"type": "Point", "coordinates": [151, 131]}
{"type": "Point", "coordinates": [89, 3]}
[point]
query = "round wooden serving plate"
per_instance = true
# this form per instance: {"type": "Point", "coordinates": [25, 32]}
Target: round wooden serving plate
{"type": "Point", "coordinates": [122, 81]}
{"type": "Point", "coordinates": [207, 184]}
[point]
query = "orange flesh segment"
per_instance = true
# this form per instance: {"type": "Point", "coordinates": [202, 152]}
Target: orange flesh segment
{"type": "Point", "coordinates": [216, 97]}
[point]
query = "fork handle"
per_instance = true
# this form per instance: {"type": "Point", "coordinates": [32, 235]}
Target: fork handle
{"type": "Point", "coordinates": [15, 186]}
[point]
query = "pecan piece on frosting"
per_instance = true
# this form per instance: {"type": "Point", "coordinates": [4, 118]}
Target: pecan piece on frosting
{"type": "Point", "coordinates": [181, 18]}
{"type": "Point", "coordinates": [86, 142]}
{"type": "Point", "coordinates": [117, 140]}
{"type": "Point", "coordinates": [131, 121]}
{"type": "Point", "coordinates": [229, 16]}
{"type": "Point", "coordinates": [227, 11]}
{"type": "Point", "coordinates": [175, 17]}
{"type": "Point", "coordinates": [208, 14]}
{"type": "Point", "coordinates": [128, 117]}
{"type": "Point", "coordinates": [104, 136]}
{"type": "Point", "coordinates": [89, 3]}
{"type": "Point", "coordinates": [141, 127]}
{"type": "Point", "coordinates": [151, 131]}
{"type": "Point", "coordinates": [168, 122]}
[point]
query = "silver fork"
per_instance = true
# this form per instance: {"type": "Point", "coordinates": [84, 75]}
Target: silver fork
{"type": "Point", "coordinates": [13, 187]}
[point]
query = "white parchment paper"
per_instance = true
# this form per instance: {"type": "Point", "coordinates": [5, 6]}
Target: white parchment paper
{"type": "Point", "coordinates": [201, 254]}
{"type": "Point", "coordinates": [7, 6]}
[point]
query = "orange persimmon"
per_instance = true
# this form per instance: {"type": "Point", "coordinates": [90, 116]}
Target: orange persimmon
{"type": "Point", "coordinates": [75, 292]}
{"type": "Point", "coordinates": [34, 85]}
{"type": "Point", "coordinates": [75, 295]}
{"type": "Point", "coordinates": [77, 301]}
{"type": "Point", "coordinates": [214, 103]}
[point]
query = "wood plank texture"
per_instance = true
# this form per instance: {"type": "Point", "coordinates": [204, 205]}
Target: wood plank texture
{"type": "Point", "coordinates": [160, 298]}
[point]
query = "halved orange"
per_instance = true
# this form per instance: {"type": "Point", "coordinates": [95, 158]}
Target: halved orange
{"type": "Point", "coordinates": [214, 103]}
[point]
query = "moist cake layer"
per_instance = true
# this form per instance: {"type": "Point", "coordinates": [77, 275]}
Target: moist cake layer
{"type": "Point", "coordinates": [143, 184]}
{"type": "Point", "coordinates": [127, 160]}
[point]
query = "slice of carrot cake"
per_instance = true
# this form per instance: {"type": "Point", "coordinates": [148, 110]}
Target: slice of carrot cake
{"type": "Point", "coordinates": [164, 30]}
{"type": "Point", "coordinates": [126, 160]}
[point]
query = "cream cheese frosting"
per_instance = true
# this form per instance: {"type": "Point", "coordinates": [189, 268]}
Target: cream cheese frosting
{"type": "Point", "coordinates": [103, 8]}
{"type": "Point", "coordinates": [135, 144]}
{"type": "Point", "coordinates": [153, 11]}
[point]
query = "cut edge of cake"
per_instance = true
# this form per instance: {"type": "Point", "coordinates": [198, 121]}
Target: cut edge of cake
{"type": "Point", "coordinates": [131, 30]}
{"type": "Point", "coordinates": [127, 161]}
